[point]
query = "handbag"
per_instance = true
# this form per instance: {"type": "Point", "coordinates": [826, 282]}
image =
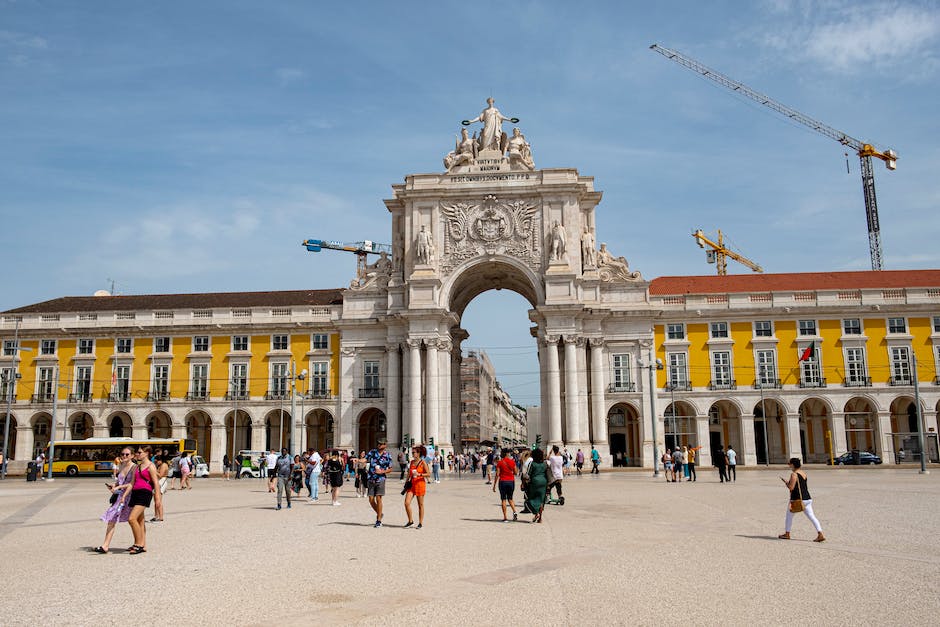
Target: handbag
{"type": "Point", "coordinates": [406, 487]}
{"type": "Point", "coordinates": [796, 505]}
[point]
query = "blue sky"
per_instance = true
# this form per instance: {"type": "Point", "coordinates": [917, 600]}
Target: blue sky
{"type": "Point", "coordinates": [188, 147]}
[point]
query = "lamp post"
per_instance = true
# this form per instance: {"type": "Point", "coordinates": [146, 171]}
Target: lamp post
{"type": "Point", "coordinates": [654, 364]}
{"type": "Point", "coordinates": [920, 424]}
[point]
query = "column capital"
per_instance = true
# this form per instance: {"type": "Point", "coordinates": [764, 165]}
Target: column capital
{"type": "Point", "coordinates": [443, 344]}
{"type": "Point", "coordinates": [392, 348]}
{"type": "Point", "coordinates": [348, 351]}
{"type": "Point", "coordinates": [413, 342]}
{"type": "Point", "coordinates": [596, 342]}
{"type": "Point", "coordinates": [574, 339]}
{"type": "Point", "coordinates": [550, 340]}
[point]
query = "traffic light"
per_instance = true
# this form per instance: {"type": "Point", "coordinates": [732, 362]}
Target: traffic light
{"type": "Point", "coordinates": [538, 441]}
{"type": "Point", "coordinates": [431, 440]}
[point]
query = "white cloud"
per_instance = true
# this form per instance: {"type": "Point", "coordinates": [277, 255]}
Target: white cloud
{"type": "Point", "coordinates": [288, 75]}
{"type": "Point", "coordinates": [22, 40]}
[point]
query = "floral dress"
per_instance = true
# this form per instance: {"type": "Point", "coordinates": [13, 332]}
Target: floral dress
{"type": "Point", "coordinates": [119, 511]}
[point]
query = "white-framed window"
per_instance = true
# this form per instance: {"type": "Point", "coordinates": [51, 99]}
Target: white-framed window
{"type": "Point", "coordinates": [47, 347]}
{"type": "Point", "coordinates": [370, 375]}
{"type": "Point", "coordinates": [160, 384]}
{"type": "Point", "coordinates": [200, 343]}
{"type": "Point", "coordinates": [9, 348]}
{"type": "Point", "coordinates": [856, 373]}
{"type": "Point", "coordinates": [83, 383]}
{"type": "Point", "coordinates": [810, 373]}
{"type": "Point", "coordinates": [239, 342]}
{"type": "Point", "coordinates": [199, 382]}
{"type": "Point", "coordinates": [121, 387]}
{"type": "Point", "coordinates": [239, 378]}
{"type": "Point", "coordinates": [721, 369]}
{"type": "Point", "coordinates": [675, 331]}
{"type": "Point", "coordinates": [320, 341]}
{"type": "Point", "coordinates": [852, 326]}
{"type": "Point", "coordinates": [86, 346]}
{"type": "Point", "coordinates": [936, 360]}
{"type": "Point", "coordinates": [766, 368]}
{"type": "Point", "coordinates": [279, 379]}
{"type": "Point", "coordinates": [7, 383]}
{"type": "Point", "coordinates": [280, 342]}
{"type": "Point", "coordinates": [806, 327]}
{"type": "Point", "coordinates": [897, 325]}
{"type": "Point", "coordinates": [901, 365]}
{"type": "Point", "coordinates": [763, 328]}
{"type": "Point", "coordinates": [45, 383]}
{"type": "Point", "coordinates": [319, 378]}
{"type": "Point", "coordinates": [161, 345]}
{"type": "Point", "coordinates": [621, 371]}
{"type": "Point", "coordinates": [718, 330]}
{"type": "Point", "coordinates": [678, 364]}
{"type": "Point", "coordinates": [124, 345]}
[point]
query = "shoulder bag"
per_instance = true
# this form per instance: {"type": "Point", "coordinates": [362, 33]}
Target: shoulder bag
{"type": "Point", "coordinates": [796, 505]}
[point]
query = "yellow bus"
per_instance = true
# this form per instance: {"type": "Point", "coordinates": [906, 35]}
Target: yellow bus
{"type": "Point", "coordinates": [95, 456]}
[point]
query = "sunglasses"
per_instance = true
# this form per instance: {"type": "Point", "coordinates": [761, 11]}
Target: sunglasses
{"type": "Point", "coordinates": [125, 454]}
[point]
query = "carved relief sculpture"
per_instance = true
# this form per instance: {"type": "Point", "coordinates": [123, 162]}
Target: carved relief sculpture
{"type": "Point", "coordinates": [588, 253]}
{"type": "Point", "coordinates": [558, 243]}
{"type": "Point", "coordinates": [474, 228]}
{"type": "Point", "coordinates": [424, 246]}
{"type": "Point", "coordinates": [614, 268]}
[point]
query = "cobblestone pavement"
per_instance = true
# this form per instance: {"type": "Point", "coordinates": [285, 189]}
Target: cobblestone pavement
{"type": "Point", "coordinates": [625, 549]}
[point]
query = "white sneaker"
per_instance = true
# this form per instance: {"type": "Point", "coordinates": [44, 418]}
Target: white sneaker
{"type": "Point", "coordinates": [337, 503]}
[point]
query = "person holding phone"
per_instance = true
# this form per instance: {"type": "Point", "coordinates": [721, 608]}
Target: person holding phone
{"type": "Point", "coordinates": [419, 473]}
{"type": "Point", "coordinates": [797, 486]}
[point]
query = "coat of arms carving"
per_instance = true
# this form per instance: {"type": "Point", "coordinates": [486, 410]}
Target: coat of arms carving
{"type": "Point", "coordinates": [473, 228]}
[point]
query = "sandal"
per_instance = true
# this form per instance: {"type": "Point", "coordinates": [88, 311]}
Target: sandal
{"type": "Point", "coordinates": [136, 550]}
{"type": "Point", "coordinates": [101, 550]}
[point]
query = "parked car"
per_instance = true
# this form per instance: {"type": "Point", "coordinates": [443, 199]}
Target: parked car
{"type": "Point", "coordinates": [863, 458]}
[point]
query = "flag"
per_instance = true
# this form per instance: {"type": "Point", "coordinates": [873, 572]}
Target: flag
{"type": "Point", "coordinates": [113, 377]}
{"type": "Point", "coordinates": [809, 353]}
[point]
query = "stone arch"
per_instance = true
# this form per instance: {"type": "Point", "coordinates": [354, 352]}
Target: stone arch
{"type": "Point", "coordinates": [319, 427]}
{"type": "Point", "coordinates": [726, 428]}
{"type": "Point", "coordinates": [770, 431]}
{"type": "Point", "coordinates": [861, 421]}
{"type": "Point", "coordinates": [81, 426]}
{"type": "Point", "coordinates": [625, 435]}
{"type": "Point", "coordinates": [816, 430]}
{"type": "Point", "coordinates": [238, 429]}
{"type": "Point", "coordinates": [199, 427]}
{"type": "Point", "coordinates": [482, 274]}
{"type": "Point", "coordinates": [41, 424]}
{"type": "Point", "coordinates": [372, 425]}
{"type": "Point", "coordinates": [159, 424]}
{"type": "Point", "coordinates": [119, 425]}
{"type": "Point", "coordinates": [679, 425]}
{"type": "Point", "coordinates": [277, 430]}
{"type": "Point", "coordinates": [904, 415]}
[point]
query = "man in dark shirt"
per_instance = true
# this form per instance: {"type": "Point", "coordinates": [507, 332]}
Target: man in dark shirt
{"type": "Point", "coordinates": [282, 469]}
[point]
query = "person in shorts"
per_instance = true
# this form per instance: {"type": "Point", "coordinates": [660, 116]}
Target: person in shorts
{"type": "Point", "coordinates": [667, 465]}
{"type": "Point", "coordinates": [506, 480]}
{"type": "Point", "coordinates": [379, 464]}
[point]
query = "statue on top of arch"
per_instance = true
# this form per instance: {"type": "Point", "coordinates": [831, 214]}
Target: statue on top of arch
{"type": "Point", "coordinates": [491, 139]}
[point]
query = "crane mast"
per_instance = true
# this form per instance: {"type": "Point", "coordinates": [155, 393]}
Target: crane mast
{"type": "Point", "coordinates": [864, 150]}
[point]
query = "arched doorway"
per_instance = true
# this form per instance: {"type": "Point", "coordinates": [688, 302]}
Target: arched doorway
{"type": "Point", "coordinates": [159, 425]}
{"type": "Point", "coordinates": [319, 426]}
{"type": "Point", "coordinates": [860, 422]}
{"type": "Point", "coordinates": [770, 434]}
{"type": "Point", "coordinates": [120, 426]}
{"type": "Point", "coordinates": [237, 437]}
{"type": "Point", "coordinates": [816, 431]}
{"type": "Point", "coordinates": [623, 433]}
{"type": "Point", "coordinates": [372, 426]}
{"type": "Point", "coordinates": [199, 428]}
{"type": "Point", "coordinates": [904, 429]}
{"type": "Point", "coordinates": [42, 430]}
{"type": "Point", "coordinates": [724, 429]}
{"type": "Point", "coordinates": [82, 427]}
{"type": "Point", "coordinates": [277, 430]}
{"type": "Point", "coordinates": [10, 437]}
{"type": "Point", "coordinates": [679, 425]}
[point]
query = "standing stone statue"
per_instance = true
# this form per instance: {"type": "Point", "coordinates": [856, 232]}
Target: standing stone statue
{"type": "Point", "coordinates": [559, 244]}
{"type": "Point", "coordinates": [588, 254]}
{"type": "Point", "coordinates": [425, 246]}
{"type": "Point", "coordinates": [492, 120]}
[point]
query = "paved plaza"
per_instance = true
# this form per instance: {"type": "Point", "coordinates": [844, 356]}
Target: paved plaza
{"type": "Point", "coordinates": [625, 549]}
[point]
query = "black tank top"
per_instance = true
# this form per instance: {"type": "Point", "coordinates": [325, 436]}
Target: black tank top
{"type": "Point", "coordinates": [800, 490]}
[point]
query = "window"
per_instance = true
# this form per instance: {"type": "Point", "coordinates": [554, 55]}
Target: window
{"type": "Point", "coordinates": [809, 370]}
{"type": "Point", "coordinates": [721, 369]}
{"type": "Point", "coordinates": [319, 383]}
{"type": "Point", "coordinates": [763, 328]}
{"type": "Point", "coordinates": [9, 348]}
{"type": "Point", "coordinates": [279, 342]}
{"type": "Point", "coordinates": [239, 342]}
{"type": "Point", "coordinates": [321, 341]}
{"type": "Point", "coordinates": [86, 346]}
{"type": "Point", "coordinates": [855, 371]}
{"type": "Point", "coordinates": [621, 378]}
{"type": "Point", "coordinates": [121, 388]}
{"type": "Point", "coordinates": [852, 326]}
{"type": "Point", "coordinates": [279, 379]}
{"type": "Point", "coordinates": [766, 369]}
{"type": "Point", "coordinates": [936, 324]}
{"type": "Point", "coordinates": [199, 385]}
{"type": "Point", "coordinates": [201, 344]}
{"type": "Point", "coordinates": [239, 381]}
{"type": "Point", "coordinates": [124, 345]}
{"type": "Point", "coordinates": [161, 345]}
{"type": "Point", "coordinates": [807, 327]}
{"type": "Point", "coordinates": [7, 383]}
{"type": "Point", "coordinates": [46, 383]}
{"type": "Point", "coordinates": [897, 325]}
{"type": "Point", "coordinates": [83, 383]}
{"type": "Point", "coordinates": [719, 329]}
{"type": "Point", "coordinates": [160, 389]}
{"type": "Point", "coordinates": [678, 370]}
{"type": "Point", "coordinates": [47, 347]}
{"type": "Point", "coordinates": [900, 366]}
{"type": "Point", "coordinates": [675, 331]}
{"type": "Point", "coordinates": [371, 375]}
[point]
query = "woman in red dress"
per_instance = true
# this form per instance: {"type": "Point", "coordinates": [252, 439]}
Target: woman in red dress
{"type": "Point", "coordinates": [418, 474]}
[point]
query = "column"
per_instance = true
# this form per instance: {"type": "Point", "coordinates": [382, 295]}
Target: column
{"type": "Point", "coordinates": [554, 390]}
{"type": "Point", "coordinates": [393, 396]}
{"type": "Point", "coordinates": [139, 431]}
{"type": "Point", "coordinates": [24, 443]}
{"type": "Point", "coordinates": [839, 443]}
{"type": "Point", "coordinates": [446, 412]}
{"type": "Point", "coordinates": [598, 401]}
{"type": "Point", "coordinates": [177, 431]}
{"type": "Point", "coordinates": [414, 384]}
{"type": "Point", "coordinates": [748, 452]}
{"type": "Point", "coordinates": [703, 456]}
{"type": "Point", "coordinates": [793, 437]}
{"type": "Point", "coordinates": [883, 445]}
{"type": "Point", "coordinates": [258, 433]}
{"type": "Point", "coordinates": [217, 447]}
{"type": "Point", "coordinates": [582, 396]}
{"type": "Point", "coordinates": [572, 418]}
{"type": "Point", "coordinates": [345, 419]}
{"type": "Point", "coordinates": [432, 385]}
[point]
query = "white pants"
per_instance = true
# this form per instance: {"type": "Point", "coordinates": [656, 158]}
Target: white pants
{"type": "Point", "coordinates": [808, 510]}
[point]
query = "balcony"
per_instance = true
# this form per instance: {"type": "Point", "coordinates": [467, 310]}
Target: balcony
{"type": "Point", "coordinates": [904, 380]}
{"type": "Point", "coordinates": [727, 384]}
{"type": "Point", "coordinates": [371, 392]}
{"type": "Point", "coordinates": [319, 393]}
{"type": "Point", "coordinates": [276, 395]}
{"type": "Point", "coordinates": [857, 382]}
{"type": "Point", "coordinates": [620, 388]}
{"type": "Point", "coordinates": [42, 397]}
{"type": "Point", "coordinates": [81, 397]}
{"type": "Point", "coordinates": [119, 397]}
{"type": "Point", "coordinates": [158, 395]}
{"type": "Point", "coordinates": [238, 395]}
{"type": "Point", "coordinates": [818, 382]}
{"type": "Point", "coordinates": [199, 395]}
{"type": "Point", "coordinates": [679, 386]}
{"type": "Point", "coordinates": [770, 384]}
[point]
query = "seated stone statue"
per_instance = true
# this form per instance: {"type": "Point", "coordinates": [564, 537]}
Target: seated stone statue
{"type": "Point", "coordinates": [520, 153]}
{"type": "Point", "coordinates": [464, 153]}
{"type": "Point", "coordinates": [612, 267]}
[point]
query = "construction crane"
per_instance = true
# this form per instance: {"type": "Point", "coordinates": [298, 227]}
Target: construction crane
{"type": "Point", "coordinates": [717, 253]}
{"type": "Point", "coordinates": [864, 150]}
{"type": "Point", "coordinates": [361, 249]}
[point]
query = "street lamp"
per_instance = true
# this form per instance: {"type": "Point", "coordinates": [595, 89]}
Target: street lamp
{"type": "Point", "coordinates": [654, 364]}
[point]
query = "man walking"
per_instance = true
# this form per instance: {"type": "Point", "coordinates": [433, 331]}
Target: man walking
{"type": "Point", "coordinates": [579, 461]}
{"type": "Point", "coordinates": [720, 462]}
{"type": "Point", "coordinates": [282, 470]}
{"type": "Point", "coordinates": [595, 461]}
{"type": "Point", "coordinates": [732, 472]}
{"type": "Point", "coordinates": [379, 465]}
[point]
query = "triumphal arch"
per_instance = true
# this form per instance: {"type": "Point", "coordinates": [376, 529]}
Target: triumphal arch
{"type": "Point", "coordinates": [491, 220]}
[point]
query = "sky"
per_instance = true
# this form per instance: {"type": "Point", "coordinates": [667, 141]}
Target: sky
{"type": "Point", "coordinates": [191, 146]}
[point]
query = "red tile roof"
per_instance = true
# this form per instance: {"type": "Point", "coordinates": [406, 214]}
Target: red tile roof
{"type": "Point", "coordinates": [794, 282]}
{"type": "Point", "coordinates": [67, 304]}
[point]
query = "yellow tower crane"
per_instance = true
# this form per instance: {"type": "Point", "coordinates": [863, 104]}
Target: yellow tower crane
{"type": "Point", "coordinates": [717, 253]}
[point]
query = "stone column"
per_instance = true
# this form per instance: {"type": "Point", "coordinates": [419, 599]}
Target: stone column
{"type": "Point", "coordinates": [433, 396]}
{"type": "Point", "coordinates": [178, 431]}
{"type": "Point", "coordinates": [883, 445]}
{"type": "Point", "coordinates": [217, 447]}
{"type": "Point", "coordinates": [793, 447]}
{"type": "Point", "coordinates": [414, 385]}
{"type": "Point", "coordinates": [703, 456]}
{"type": "Point", "coordinates": [393, 396]}
{"type": "Point", "coordinates": [839, 442]}
{"type": "Point", "coordinates": [748, 451]}
{"type": "Point", "coordinates": [598, 379]}
{"type": "Point", "coordinates": [139, 431]}
{"type": "Point", "coordinates": [24, 443]}
{"type": "Point", "coordinates": [445, 428]}
{"type": "Point", "coordinates": [258, 434]}
{"type": "Point", "coordinates": [345, 419]}
{"type": "Point", "coordinates": [554, 389]}
{"type": "Point", "coordinates": [572, 417]}
{"type": "Point", "coordinates": [584, 427]}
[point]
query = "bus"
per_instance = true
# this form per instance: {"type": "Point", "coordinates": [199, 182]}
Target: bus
{"type": "Point", "coordinates": [95, 456]}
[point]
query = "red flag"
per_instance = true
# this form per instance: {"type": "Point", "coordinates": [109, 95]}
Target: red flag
{"type": "Point", "coordinates": [809, 353]}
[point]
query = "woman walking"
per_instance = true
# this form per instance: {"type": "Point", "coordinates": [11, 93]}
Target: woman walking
{"type": "Point", "coordinates": [362, 479]}
{"type": "Point", "coordinates": [120, 489]}
{"type": "Point", "coordinates": [144, 488]}
{"type": "Point", "coordinates": [226, 464]}
{"type": "Point", "coordinates": [418, 475]}
{"type": "Point", "coordinates": [334, 471]}
{"type": "Point", "coordinates": [163, 469]}
{"type": "Point", "coordinates": [537, 481]}
{"type": "Point", "coordinates": [186, 470]}
{"type": "Point", "coordinates": [506, 479]}
{"type": "Point", "coordinates": [297, 475]}
{"type": "Point", "coordinates": [800, 500]}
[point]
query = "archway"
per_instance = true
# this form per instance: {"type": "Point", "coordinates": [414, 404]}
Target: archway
{"type": "Point", "coordinates": [42, 430]}
{"type": "Point", "coordinates": [319, 426]}
{"type": "Point", "coordinates": [860, 422]}
{"type": "Point", "coordinates": [904, 429]}
{"type": "Point", "coordinates": [816, 431]}
{"type": "Point", "coordinates": [724, 429]}
{"type": "Point", "coordinates": [237, 437]}
{"type": "Point", "coordinates": [199, 428]}
{"type": "Point", "coordinates": [372, 426]}
{"type": "Point", "coordinates": [10, 437]}
{"type": "Point", "coordinates": [679, 425]}
{"type": "Point", "coordinates": [159, 425]}
{"type": "Point", "coordinates": [623, 433]}
{"type": "Point", "coordinates": [120, 426]}
{"type": "Point", "coordinates": [770, 434]}
{"type": "Point", "coordinates": [82, 427]}
{"type": "Point", "coordinates": [277, 430]}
